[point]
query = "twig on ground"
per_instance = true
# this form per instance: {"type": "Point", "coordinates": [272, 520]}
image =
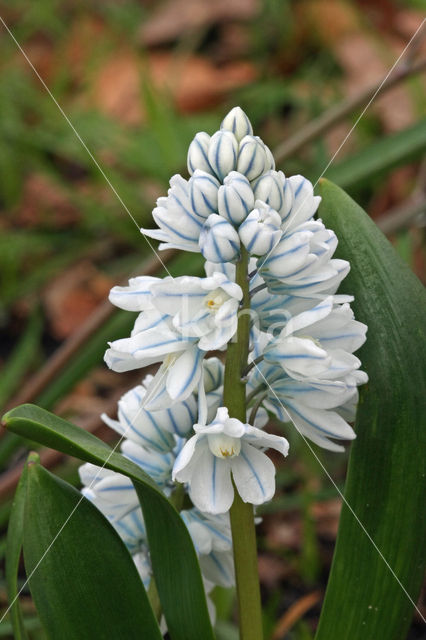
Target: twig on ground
{"type": "Point", "coordinates": [338, 112]}
{"type": "Point", "coordinates": [294, 613]}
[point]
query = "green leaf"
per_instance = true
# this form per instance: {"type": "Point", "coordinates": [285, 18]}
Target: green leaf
{"type": "Point", "coordinates": [175, 564]}
{"type": "Point", "coordinates": [15, 534]}
{"type": "Point", "coordinates": [382, 156]}
{"type": "Point", "coordinates": [371, 591]}
{"type": "Point", "coordinates": [82, 578]}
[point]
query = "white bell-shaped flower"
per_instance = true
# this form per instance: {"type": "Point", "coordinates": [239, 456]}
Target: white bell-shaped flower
{"type": "Point", "coordinates": [219, 241]}
{"type": "Point", "coordinates": [260, 231]}
{"type": "Point", "coordinates": [235, 198]}
{"type": "Point", "coordinates": [179, 226]}
{"type": "Point", "coordinates": [224, 450]}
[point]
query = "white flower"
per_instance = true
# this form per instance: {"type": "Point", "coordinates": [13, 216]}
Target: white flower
{"type": "Point", "coordinates": [254, 157]}
{"type": "Point", "coordinates": [153, 429]}
{"type": "Point", "coordinates": [260, 231]}
{"type": "Point", "coordinates": [301, 264]}
{"type": "Point", "coordinates": [235, 198]}
{"type": "Point", "coordinates": [219, 241]}
{"type": "Point", "coordinates": [225, 447]}
{"type": "Point", "coordinates": [179, 225]}
{"type": "Point", "coordinates": [238, 123]}
{"type": "Point", "coordinates": [318, 343]}
{"type": "Point", "coordinates": [211, 535]}
{"type": "Point", "coordinates": [203, 308]}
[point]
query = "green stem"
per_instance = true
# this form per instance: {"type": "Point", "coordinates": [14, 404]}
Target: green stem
{"type": "Point", "coordinates": [241, 513]}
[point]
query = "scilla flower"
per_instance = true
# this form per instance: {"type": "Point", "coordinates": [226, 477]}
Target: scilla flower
{"type": "Point", "coordinates": [224, 448]}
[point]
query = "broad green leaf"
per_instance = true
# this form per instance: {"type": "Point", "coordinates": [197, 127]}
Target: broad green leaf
{"type": "Point", "coordinates": [383, 155]}
{"type": "Point", "coordinates": [175, 564]}
{"type": "Point", "coordinates": [15, 534]}
{"type": "Point", "coordinates": [372, 587]}
{"type": "Point", "coordinates": [82, 578]}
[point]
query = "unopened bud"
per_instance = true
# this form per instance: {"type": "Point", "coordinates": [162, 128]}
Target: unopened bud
{"type": "Point", "coordinates": [238, 123]}
{"type": "Point", "coordinates": [203, 192]}
{"type": "Point", "coordinates": [198, 153]}
{"type": "Point", "coordinates": [235, 198]}
{"type": "Point", "coordinates": [223, 149]}
{"type": "Point", "coordinates": [219, 241]}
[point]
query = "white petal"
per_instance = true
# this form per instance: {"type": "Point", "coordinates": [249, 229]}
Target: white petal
{"type": "Point", "coordinates": [185, 374]}
{"type": "Point", "coordinates": [299, 357]}
{"type": "Point", "coordinates": [254, 475]}
{"type": "Point", "coordinates": [262, 439]}
{"type": "Point", "coordinates": [135, 297]}
{"type": "Point", "coordinates": [210, 487]}
{"type": "Point", "coordinates": [307, 318]}
{"type": "Point", "coordinates": [324, 423]}
{"type": "Point", "coordinates": [218, 568]}
{"type": "Point", "coordinates": [182, 468]}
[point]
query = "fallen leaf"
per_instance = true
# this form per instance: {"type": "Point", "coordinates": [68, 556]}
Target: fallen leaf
{"type": "Point", "coordinates": [193, 82]}
{"type": "Point", "coordinates": [44, 202]}
{"type": "Point", "coordinates": [72, 296]}
{"type": "Point", "coordinates": [178, 17]}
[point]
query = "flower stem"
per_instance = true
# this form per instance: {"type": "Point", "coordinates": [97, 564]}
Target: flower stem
{"type": "Point", "coordinates": [241, 513]}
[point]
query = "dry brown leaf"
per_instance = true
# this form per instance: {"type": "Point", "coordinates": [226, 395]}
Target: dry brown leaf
{"type": "Point", "coordinates": [193, 82]}
{"type": "Point", "coordinates": [45, 203]}
{"type": "Point", "coordinates": [72, 296]}
{"type": "Point", "coordinates": [116, 88]}
{"type": "Point", "coordinates": [330, 20]}
{"type": "Point", "coordinates": [365, 66]}
{"type": "Point", "coordinates": [178, 17]}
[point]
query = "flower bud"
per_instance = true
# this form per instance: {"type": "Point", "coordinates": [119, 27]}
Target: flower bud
{"type": "Point", "coordinates": [223, 149]}
{"type": "Point", "coordinates": [238, 123]}
{"type": "Point", "coordinates": [213, 374]}
{"type": "Point", "coordinates": [219, 242]}
{"type": "Point", "coordinates": [252, 157]}
{"type": "Point", "coordinates": [275, 190]}
{"type": "Point", "coordinates": [260, 231]}
{"type": "Point", "coordinates": [203, 192]}
{"type": "Point", "coordinates": [198, 153]}
{"type": "Point", "coordinates": [235, 198]}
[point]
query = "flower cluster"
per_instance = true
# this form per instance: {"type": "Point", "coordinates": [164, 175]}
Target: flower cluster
{"type": "Point", "coordinates": [301, 366]}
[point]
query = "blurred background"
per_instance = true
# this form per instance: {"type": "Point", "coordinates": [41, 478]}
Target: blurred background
{"type": "Point", "coordinates": [137, 80]}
